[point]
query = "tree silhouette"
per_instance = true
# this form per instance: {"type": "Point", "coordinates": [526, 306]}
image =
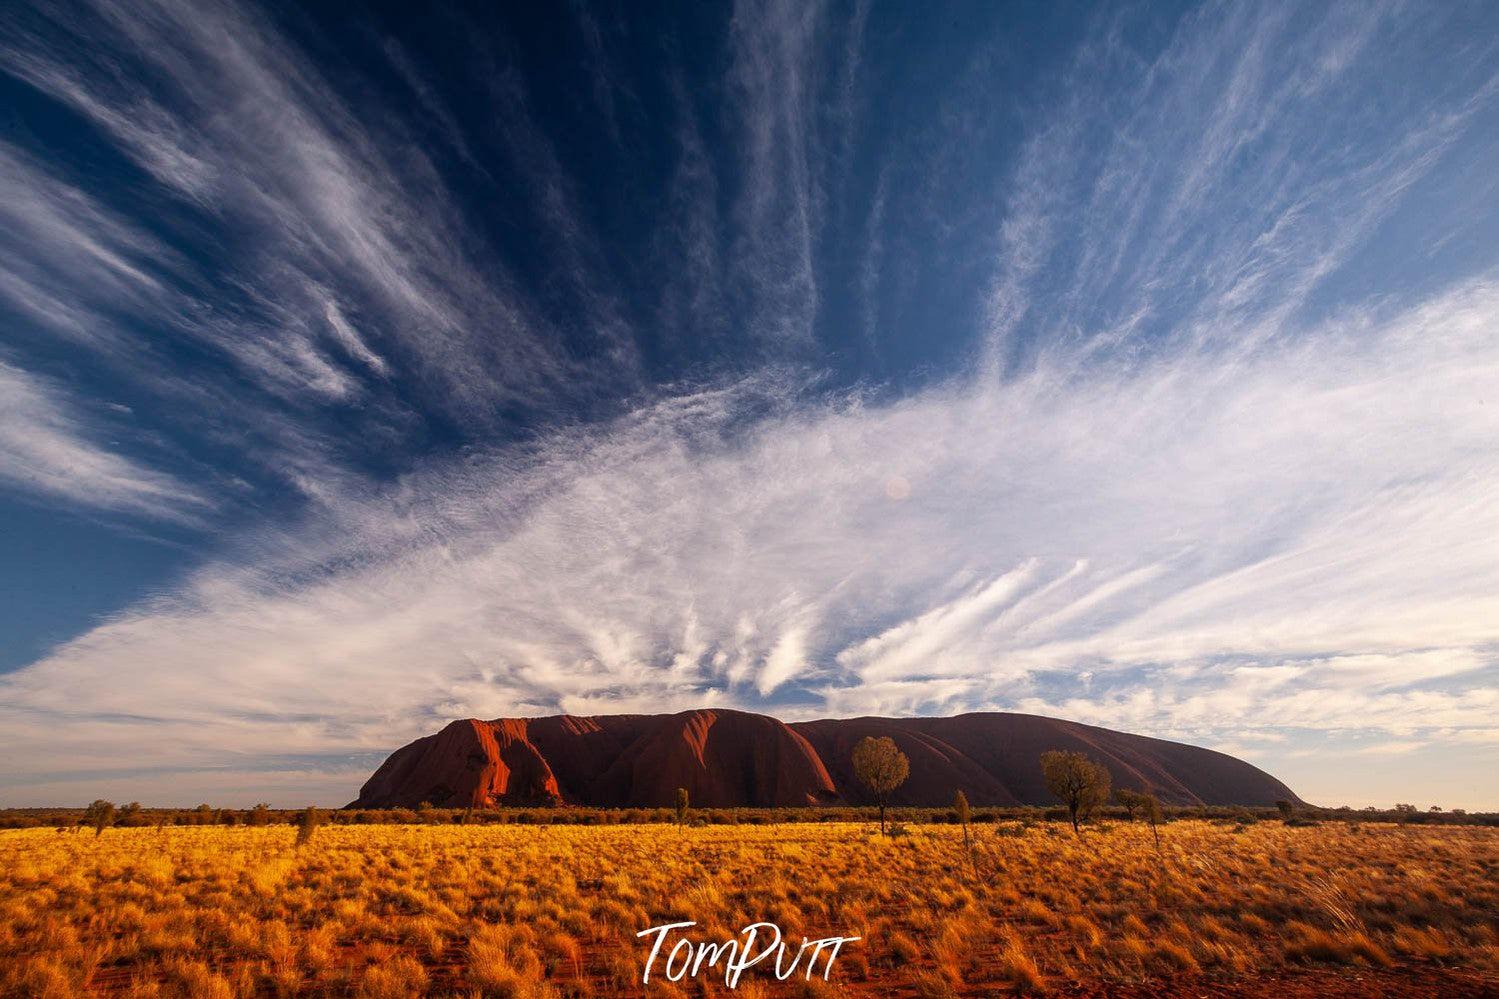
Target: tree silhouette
{"type": "Point", "coordinates": [882, 767]}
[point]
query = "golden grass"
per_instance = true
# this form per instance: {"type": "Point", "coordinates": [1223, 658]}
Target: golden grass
{"type": "Point", "coordinates": [542, 911]}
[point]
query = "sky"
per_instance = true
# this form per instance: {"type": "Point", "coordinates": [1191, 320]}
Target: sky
{"type": "Point", "coordinates": [367, 367]}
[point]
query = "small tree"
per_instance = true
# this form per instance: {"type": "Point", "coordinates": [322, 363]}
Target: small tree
{"type": "Point", "coordinates": [1131, 800]}
{"type": "Point", "coordinates": [1082, 784]}
{"type": "Point", "coordinates": [307, 825]}
{"type": "Point", "coordinates": [683, 805]}
{"type": "Point", "coordinates": [1286, 810]}
{"type": "Point", "coordinates": [1150, 807]}
{"type": "Point", "coordinates": [965, 815]}
{"type": "Point", "coordinates": [100, 815]}
{"type": "Point", "coordinates": [260, 815]}
{"type": "Point", "coordinates": [880, 766]}
{"type": "Point", "coordinates": [1144, 804]}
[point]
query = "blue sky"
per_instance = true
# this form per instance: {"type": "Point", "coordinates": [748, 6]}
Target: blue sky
{"type": "Point", "coordinates": [362, 370]}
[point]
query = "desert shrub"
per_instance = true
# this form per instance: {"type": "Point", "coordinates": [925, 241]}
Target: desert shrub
{"type": "Point", "coordinates": [1018, 968]}
{"type": "Point", "coordinates": [401, 977]}
{"type": "Point", "coordinates": [902, 948]}
{"type": "Point", "coordinates": [198, 980]}
{"type": "Point", "coordinates": [1309, 943]}
{"type": "Point", "coordinates": [1427, 942]}
{"type": "Point", "coordinates": [1084, 929]}
{"type": "Point", "coordinates": [502, 959]}
{"type": "Point", "coordinates": [307, 825]}
{"type": "Point", "coordinates": [509, 909]}
{"type": "Point", "coordinates": [932, 985]}
{"type": "Point", "coordinates": [1172, 957]}
{"type": "Point", "coordinates": [43, 977]}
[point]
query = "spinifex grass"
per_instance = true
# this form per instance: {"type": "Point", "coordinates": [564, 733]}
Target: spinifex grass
{"type": "Point", "coordinates": [553, 910]}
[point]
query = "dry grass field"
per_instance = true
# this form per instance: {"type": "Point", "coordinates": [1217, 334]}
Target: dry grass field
{"type": "Point", "coordinates": [389, 911]}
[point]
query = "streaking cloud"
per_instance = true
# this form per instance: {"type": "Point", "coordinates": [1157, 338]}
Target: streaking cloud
{"type": "Point", "coordinates": [1310, 549]}
{"type": "Point", "coordinates": [1150, 387]}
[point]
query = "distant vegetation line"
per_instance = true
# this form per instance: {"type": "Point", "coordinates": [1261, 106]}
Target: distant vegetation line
{"type": "Point", "coordinates": [135, 816]}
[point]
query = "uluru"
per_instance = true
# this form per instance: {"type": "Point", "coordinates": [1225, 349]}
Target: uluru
{"type": "Point", "coordinates": [735, 759]}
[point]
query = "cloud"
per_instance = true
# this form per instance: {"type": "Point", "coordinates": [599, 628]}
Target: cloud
{"type": "Point", "coordinates": [1300, 538]}
{"type": "Point", "coordinates": [232, 121]}
{"type": "Point", "coordinates": [49, 450]}
{"type": "Point", "coordinates": [71, 263]}
{"type": "Point", "coordinates": [1103, 240]}
{"type": "Point", "coordinates": [1204, 486]}
{"type": "Point", "coordinates": [776, 74]}
{"type": "Point", "coordinates": [223, 787]}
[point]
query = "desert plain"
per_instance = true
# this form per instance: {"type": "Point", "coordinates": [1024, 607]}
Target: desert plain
{"type": "Point", "coordinates": [1245, 908]}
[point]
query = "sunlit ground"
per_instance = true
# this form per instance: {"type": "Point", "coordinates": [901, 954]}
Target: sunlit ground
{"type": "Point", "coordinates": [554, 910]}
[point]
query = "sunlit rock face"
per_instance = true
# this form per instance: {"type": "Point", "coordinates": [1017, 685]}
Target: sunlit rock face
{"type": "Point", "coordinates": [733, 759]}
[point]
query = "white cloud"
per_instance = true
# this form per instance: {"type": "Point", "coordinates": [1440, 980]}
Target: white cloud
{"type": "Point", "coordinates": [1205, 177]}
{"type": "Point", "coordinates": [231, 118]}
{"type": "Point", "coordinates": [775, 75]}
{"type": "Point", "coordinates": [49, 450]}
{"type": "Point", "coordinates": [1320, 513]}
{"type": "Point", "coordinates": [1171, 502]}
{"type": "Point", "coordinates": [69, 260]}
{"type": "Point", "coordinates": [224, 788]}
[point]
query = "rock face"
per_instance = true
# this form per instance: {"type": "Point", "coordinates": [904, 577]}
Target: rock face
{"type": "Point", "coordinates": [468, 763]}
{"type": "Point", "coordinates": [730, 759]}
{"type": "Point", "coordinates": [996, 759]}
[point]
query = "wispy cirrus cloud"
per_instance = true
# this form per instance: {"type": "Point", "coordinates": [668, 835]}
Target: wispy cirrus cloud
{"type": "Point", "coordinates": [49, 450]}
{"type": "Point", "coordinates": [780, 74]}
{"type": "Point", "coordinates": [230, 117]}
{"type": "Point", "coordinates": [71, 264]}
{"type": "Point", "coordinates": [1223, 469]}
{"type": "Point", "coordinates": [1263, 531]}
{"type": "Point", "coordinates": [1103, 239]}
